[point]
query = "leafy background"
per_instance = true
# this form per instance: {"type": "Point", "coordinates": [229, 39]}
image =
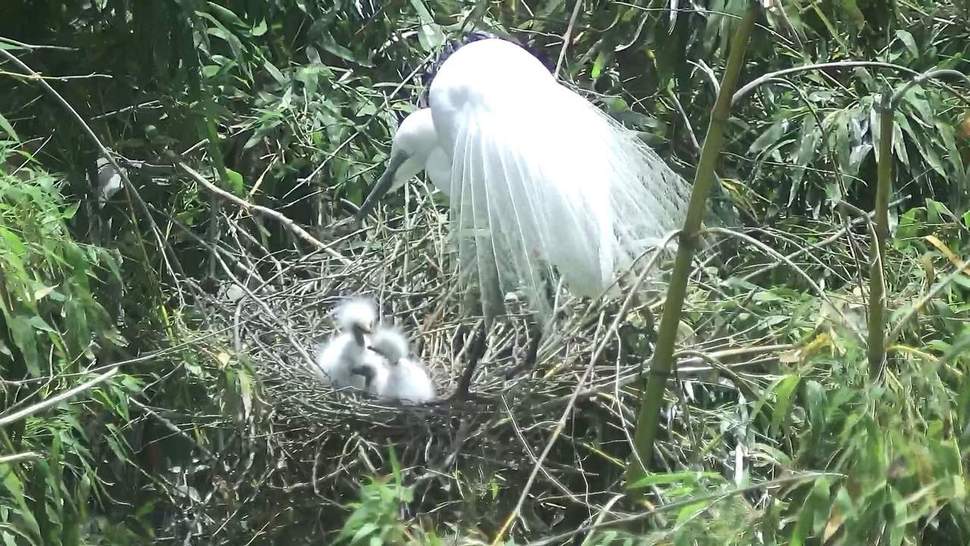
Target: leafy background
{"type": "Point", "coordinates": [291, 105]}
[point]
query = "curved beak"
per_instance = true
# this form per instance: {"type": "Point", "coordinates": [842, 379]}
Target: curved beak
{"type": "Point", "coordinates": [383, 184]}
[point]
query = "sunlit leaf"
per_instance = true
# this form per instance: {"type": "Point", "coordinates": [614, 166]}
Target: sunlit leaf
{"type": "Point", "coordinates": [6, 126]}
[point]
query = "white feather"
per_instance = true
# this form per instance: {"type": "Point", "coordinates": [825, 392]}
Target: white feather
{"type": "Point", "coordinates": [542, 177]}
{"type": "Point", "coordinates": [336, 360]}
{"type": "Point", "coordinates": [541, 181]}
{"type": "Point", "coordinates": [343, 353]}
{"type": "Point", "coordinates": [406, 379]}
{"type": "Point", "coordinates": [359, 312]}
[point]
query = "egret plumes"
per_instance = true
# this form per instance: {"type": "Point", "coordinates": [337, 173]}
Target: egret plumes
{"type": "Point", "coordinates": [342, 358]}
{"type": "Point", "coordinates": [540, 181]}
{"type": "Point", "coordinates": [403, 379]}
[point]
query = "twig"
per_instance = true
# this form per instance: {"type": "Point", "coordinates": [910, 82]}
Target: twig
{"type": "Point", "coordinates": [715, 497]}
{"type": "Point", "coordinates": [35, 77]}
{"type": "Point", "coordinates": [750, 86]}
{"type": "Point", "coordinates": [21, 457]}
{"type": "Point", "coordinates": [24, 45]}
{"type": "Point", "coordinates": [167, 252]}
{"type": "Point", "coordinates": [567, 36]}
{"type": "Point", "coordinates": [561, 423]}
{"type": "Point", "coordinates": [926, 76]}
{"type": "Point", "coordinates": [56, 399]}
{"type": "Point", "coordinates": [932, 293]}
{"type": "Point", "coordinates": [265, 211]}
{"type": "Point", "coordinates": [778, 256]}
{"type": "Point", "coordinates": [820, 244]}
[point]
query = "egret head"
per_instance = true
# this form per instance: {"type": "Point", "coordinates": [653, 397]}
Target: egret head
{"type": "Point", "coordinates": [357, 316]}
{"type": "Point", "coordinates": [412, 144]}
{"type": "Point", "coordinates": [391, 344]}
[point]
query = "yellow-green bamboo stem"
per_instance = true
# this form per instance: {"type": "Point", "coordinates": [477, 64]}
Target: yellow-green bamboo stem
{"type": "Point", "coordinates": [877, 281]}
{"type": "Point", "coordinates": [652, 397]}
{"type": "Point", "coordinates": [877, 284]}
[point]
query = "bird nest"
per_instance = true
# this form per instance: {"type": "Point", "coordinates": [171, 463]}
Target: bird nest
{"type": "Point", "coordinates": [549, 415]}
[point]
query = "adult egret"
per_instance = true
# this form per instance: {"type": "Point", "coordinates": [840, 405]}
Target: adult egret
{"type": "Point", "coordinates": [539, 179]}
{"type": "Point", "coordinates": [346, 353]}
{"type": "Point", "coordinates": [404, 379]}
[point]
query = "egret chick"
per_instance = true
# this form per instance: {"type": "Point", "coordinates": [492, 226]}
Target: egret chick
{"type": "Point", "coordinates": [344, 356]}
{"type": "Point", "coordinates": [405, 380]}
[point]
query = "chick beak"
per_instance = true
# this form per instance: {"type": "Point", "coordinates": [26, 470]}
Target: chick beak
{"type": "Point", "coordinates": [382, 355]}
{"type": "Point", "coordinates": [359, 331]}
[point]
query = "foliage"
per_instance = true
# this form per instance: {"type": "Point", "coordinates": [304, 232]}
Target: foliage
{"type": "Point", "coordinates": [53, 330]}
{"type": "Point", "coordinates": [375, 518]}
{"type": "Point", "coordinates": [290, 104]}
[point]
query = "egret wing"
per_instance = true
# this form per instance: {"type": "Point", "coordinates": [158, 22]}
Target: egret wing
{"type": "Point", "coordinates": [549, 181]}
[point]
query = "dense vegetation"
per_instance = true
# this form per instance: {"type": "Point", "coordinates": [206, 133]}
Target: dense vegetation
{"type": "Point", "coordinates": [290, 105]}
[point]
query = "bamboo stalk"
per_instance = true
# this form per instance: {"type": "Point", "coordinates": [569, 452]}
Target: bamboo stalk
{"type": "Point", "coordinates": [877, 281]}
{"type": "Point", "coordinates": [876, 351]}
{"type": "Point", "coordinates": [651, 400]}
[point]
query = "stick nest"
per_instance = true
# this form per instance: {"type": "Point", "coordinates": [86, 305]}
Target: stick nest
{"type": "Point", "coordinates": [547, 410]}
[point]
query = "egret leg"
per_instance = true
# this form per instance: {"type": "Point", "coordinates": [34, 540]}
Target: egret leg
{"type": "Point", "coordinates": [528, 361]}
{"type": "Point", "coordinates": [474, 352]}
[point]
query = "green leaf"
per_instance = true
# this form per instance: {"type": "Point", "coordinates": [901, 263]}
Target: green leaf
{"type": "Point", "coordinates": [236, 183]}
{"type": "Point", "coordinates": [260, 28]}
{"type": "Point", "coordinates": [14, 486]}
{"type": "Point", "coordinates": [25, 338]}
{"type": "Point", "coordinates": [687, 476]}
{"type": "Point", "coordinates": [430, 36]}
{"type": "Point", "coordinates": [422, 11]}
{"type": "Point", "coordinates": [810, 137]}
{"type": "Point", "coordinates": [6, 126]}
{"type": "Point", "coordinates": [784, 396]}
{"type": "Point", "coordinates": [598, 65]}
{"type": "Point", "coordinates": [770, 137]}
{"type": "Point", "coordinates": [70, 211]}
{"type": "Point", "coordinates": [364, 530]}
{"type": "Point", "coordinates": [691, 510]}
{"type": "Point", "coordinates": [226, 15]}
{"type": "Point", "coordinates": [908, 41]}
{"type": "Point", "coordinates": [274, 72]}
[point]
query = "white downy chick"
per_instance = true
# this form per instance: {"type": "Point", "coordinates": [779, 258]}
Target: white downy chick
{"type": "Point", "coordinates": [342, 358]}
{"type": "Point", "coordinates": [406, 380]}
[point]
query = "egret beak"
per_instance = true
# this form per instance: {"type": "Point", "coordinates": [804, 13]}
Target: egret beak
{"type": "Point", "coordinates": [359, 330]}
{"type": "Point", "coordinates": [382, 355]}
{"type": "Point", "coordinates": [383, 184]}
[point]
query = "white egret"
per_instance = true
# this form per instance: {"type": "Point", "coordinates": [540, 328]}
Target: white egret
{"type": "Point", "coordinates": [404, 379]}
{"type": "Point", "coordinates": [539, 179]}
{"type": "Point", "coordinates": [342, 358]}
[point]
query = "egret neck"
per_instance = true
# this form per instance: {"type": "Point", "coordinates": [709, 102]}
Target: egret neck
{"type": "Point", "coordinates": [414, 149]}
